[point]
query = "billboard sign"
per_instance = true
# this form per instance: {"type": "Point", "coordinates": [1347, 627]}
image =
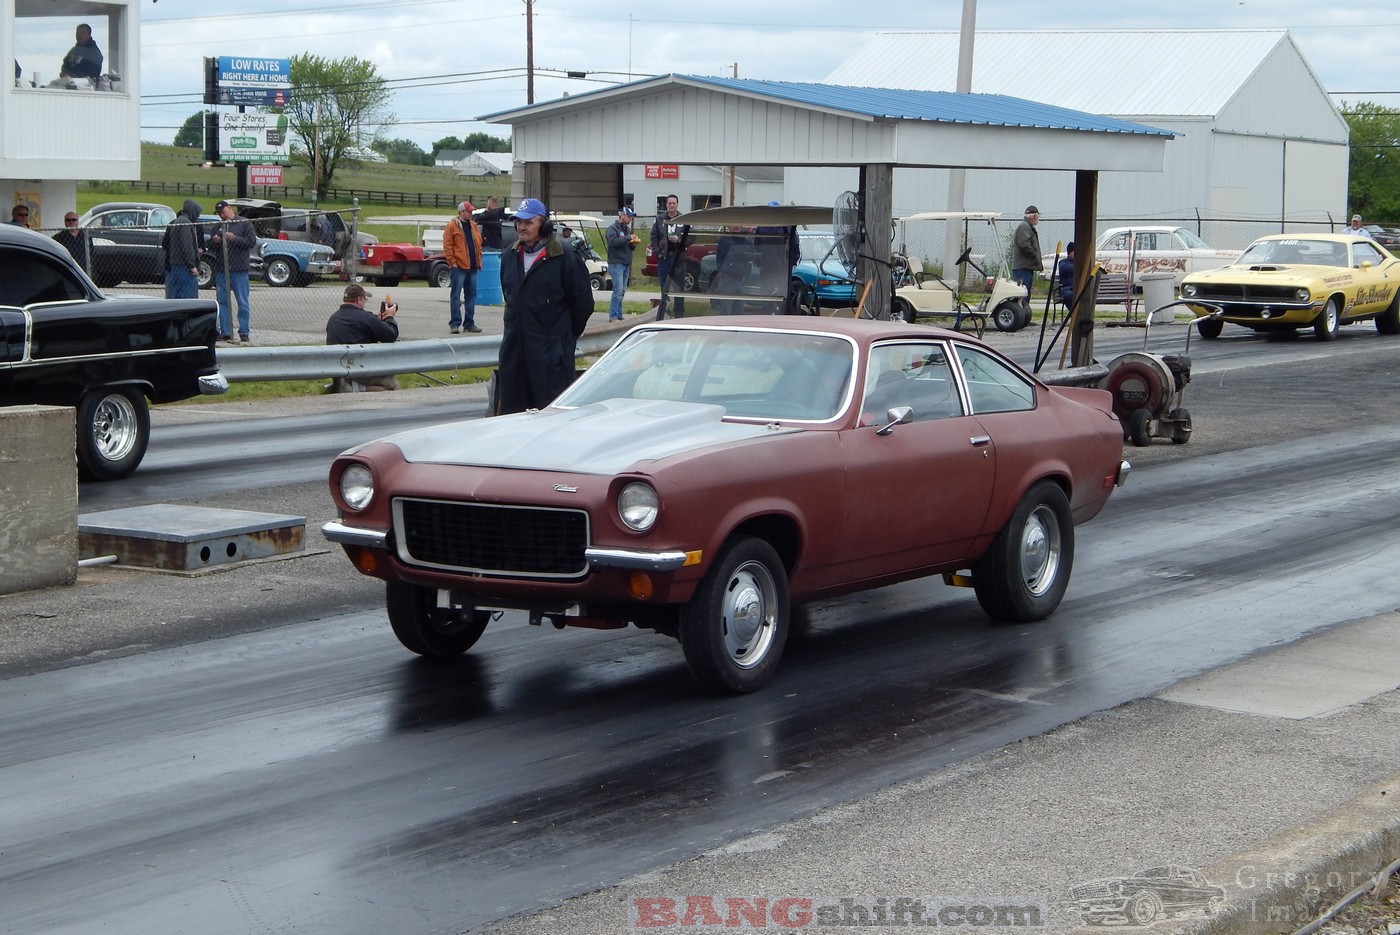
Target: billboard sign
{"type": "Point", "coordinates": [654, 171]}
{"type": "Point", "coordinates": [253, 138]}
{"type": "Point", "coordinates": [241, 72]}
{"type": "Point", "coordinates": [264, 175]}
{"type": "Point", "coordinates": [254, 97]}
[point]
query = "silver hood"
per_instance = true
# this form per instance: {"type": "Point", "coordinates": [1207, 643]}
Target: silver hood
{"type": "Point", "coordinates": [603, 438]}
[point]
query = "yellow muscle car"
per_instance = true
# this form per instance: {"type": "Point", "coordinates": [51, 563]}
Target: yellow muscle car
{"type": "Point", "coordinates": [1284, 282]}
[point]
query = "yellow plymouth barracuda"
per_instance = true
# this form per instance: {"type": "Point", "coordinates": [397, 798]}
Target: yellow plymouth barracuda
{"type": "Point", "coordinates": [1284, 282]}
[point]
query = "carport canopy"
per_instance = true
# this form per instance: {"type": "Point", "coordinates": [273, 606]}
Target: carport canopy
{"type": "Point", "coordinates": [571, 151]}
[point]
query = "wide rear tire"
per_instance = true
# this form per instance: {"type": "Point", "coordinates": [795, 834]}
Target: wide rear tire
{"type": "Point", "coordinates": [1023, 576]}
{"type": "Point", "coordinates": [735, 627]}
{"type": "Point", "coordinates": [114, 428]}
{"type": "Point", "coordinates": [1388, 321]}
{"type": "Point", "coordinates": [428, 630]}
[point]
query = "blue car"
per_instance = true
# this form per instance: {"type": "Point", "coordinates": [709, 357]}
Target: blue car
{"type": "Point", "coordinates": [821, 271]}
{"type": "Point", "coordinates": [278, 262]}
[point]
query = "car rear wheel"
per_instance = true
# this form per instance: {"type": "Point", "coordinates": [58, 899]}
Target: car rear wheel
{"type": "Point", "coordinates": [279, 270]}
{"type": "Point", "coordinates": [735, 626]}
{"type": "Point", "coordinates": [1143, 908]}
{"type": "Point", "coordinates": [114, 427]}
{"type": "Point", "coordinates": [1327, 324]}
{"type": "Point", "coordinates": [206, 275]}
{"type": "Point", "coordinates": [440, 276]}
{"type": "Point", "coordinates": [689, 279]}
{"type": "Point", "coordinates": [1023, 576]}
{"type": "Point", "coordinates": [428, 630]}
{"type": "Point", "coordinates": [1209, 328]}
{"type": "Point", "coordinates": [1388, 321]}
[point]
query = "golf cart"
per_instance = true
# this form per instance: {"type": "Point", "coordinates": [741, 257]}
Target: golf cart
{"type": "Point", "coordinates": [922, 294]}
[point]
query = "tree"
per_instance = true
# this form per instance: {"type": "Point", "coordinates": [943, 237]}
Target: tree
{"type": "Point", "coordinates": [191, 133]}
{"type": "Point", "coordinates": [474, 143]}
{"type": "Point", "coordinates": [404, 152]}
{"type": "Point", "coordinates": [338, 108]}
{"type": "Point", "coordinates": [1374, 182]}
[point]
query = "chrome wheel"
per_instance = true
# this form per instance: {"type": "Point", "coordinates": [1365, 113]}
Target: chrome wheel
{"type": "Point", "coordinates": [113, 430]}
{"type": "Point", "coordinates": [1040, 551]}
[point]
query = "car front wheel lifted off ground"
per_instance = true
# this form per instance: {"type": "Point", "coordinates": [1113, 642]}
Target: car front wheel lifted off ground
{"type": "Point", "coordinates": [428, 630]}
{"type": "Point", "coordinates": [114, 427]}
{"type": "Point", "coordinates": [736, 624]}
{"type": "Point", "coordinates": [1023, 576]}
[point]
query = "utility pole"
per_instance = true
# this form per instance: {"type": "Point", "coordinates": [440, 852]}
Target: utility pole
{"type": "Point", "coordinates": [529, 51]}
{"type": "Point", "coordinates": [732, 170]}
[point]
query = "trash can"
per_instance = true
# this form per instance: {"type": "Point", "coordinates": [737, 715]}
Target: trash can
{"type": "Point", "coordinates": [488, 280]}
{"type": "Point", "coordinates": [1158, 289]}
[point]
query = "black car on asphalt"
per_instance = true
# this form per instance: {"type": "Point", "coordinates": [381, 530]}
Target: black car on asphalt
{"type": "Point", "coordinates": [64, 343]}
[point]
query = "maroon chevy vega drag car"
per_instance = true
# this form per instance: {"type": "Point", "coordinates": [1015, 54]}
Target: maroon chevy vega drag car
{"type": "Point", "coordinates": [708, 473]}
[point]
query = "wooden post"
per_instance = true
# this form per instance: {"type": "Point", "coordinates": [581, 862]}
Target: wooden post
{"type": "Point", "coordinates": [876, 200]}
{"type": "Point", "coordinates": [1086, 212]}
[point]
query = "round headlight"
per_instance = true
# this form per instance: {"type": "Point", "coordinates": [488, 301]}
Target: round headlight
{"type": "Point", "coordinates": [637, 506]}
{"type": "Point", "coordinates": [1304, 295]}
{"type": "Point", "coordinates": [1188, 289]}
{"type": "Point", "coordinates": [356, 486]}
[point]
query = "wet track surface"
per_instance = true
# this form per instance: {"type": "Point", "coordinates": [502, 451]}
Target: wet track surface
{"type": "Point", "coordinates": [317, 778]}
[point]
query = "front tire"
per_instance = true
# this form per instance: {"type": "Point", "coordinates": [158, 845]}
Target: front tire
{"type": "Point", "coordinates": [1327, 324]}
{"type": "Point", "coordinates": [1209, 328]}
{"type": "Point", "coordinates": [735, 627]}
{"type": "Point", "coordinates": [1023, 576]}
{"type": "Point", "coordinates": [114, 428]}
{"type": "Point", "coordinates": [428, 630]}
{"type": "Point", "coordinates": [206, 275]}
{"type": "Point", "coordinates": [1007, 316]}
{"type": "Point", "coordinates": [279, 271]}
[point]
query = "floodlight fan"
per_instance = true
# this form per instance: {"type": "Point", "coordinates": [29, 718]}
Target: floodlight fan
{"type": "Point", "coordinates": [845, 227]}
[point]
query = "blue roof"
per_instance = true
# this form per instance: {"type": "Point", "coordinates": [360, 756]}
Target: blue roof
{"type": "Point", "coordinates": [934, 106]}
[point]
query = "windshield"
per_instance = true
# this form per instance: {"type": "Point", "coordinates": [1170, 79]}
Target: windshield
{"type": "Point", "coordinates": [1295, 251]}
{"type": "Point", "coordinates": [753, 374]}
{"type": "Point", "coordinates": [1191, 240]}
{"type": "Point", "coordinates": [815, 247]}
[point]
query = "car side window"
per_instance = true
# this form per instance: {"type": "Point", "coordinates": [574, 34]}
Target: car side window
{"type": "Point", "coordinates": [1365, 253]}
{"type": "Point", "coordinates": [161, 217]}
{"type": "Point", "coordinates": [992, 385]}
{"type": "Point", "coordinates": [120, 219]}
{"type": "Point", "coordinates": [27, 279]}
{"type": "Point", "coordinates": [914, 374]}
{"type": "Point", "coordinates": [1116, 242]}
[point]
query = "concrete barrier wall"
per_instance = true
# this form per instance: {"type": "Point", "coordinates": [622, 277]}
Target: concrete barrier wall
{"type": "Point", "coordinates": [38, 498]}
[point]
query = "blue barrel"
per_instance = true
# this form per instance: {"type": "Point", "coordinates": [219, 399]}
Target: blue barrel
{"type": "Point", "coordinates": [488, 280]}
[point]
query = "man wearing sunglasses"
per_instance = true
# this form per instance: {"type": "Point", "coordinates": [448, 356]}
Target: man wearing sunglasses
{"type": "Point", "coordinates": [19, 216]}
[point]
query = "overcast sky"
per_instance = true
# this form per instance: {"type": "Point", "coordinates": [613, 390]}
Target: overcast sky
{"type": "Point", "coordinates": [426, 48]}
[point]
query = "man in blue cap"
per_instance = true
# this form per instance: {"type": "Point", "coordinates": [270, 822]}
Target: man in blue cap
{"type": "Point", "coordinates": [548, 302]}
{"type": "Point", "coordinates": [621, 242]}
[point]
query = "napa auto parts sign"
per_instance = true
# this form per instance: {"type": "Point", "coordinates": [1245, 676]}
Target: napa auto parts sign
{"type": "Point", "coordinates": [655, 171]}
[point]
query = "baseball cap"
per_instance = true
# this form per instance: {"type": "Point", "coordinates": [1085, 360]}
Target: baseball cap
{"type": "Point", "coordinates": [627, 211]}
{"type": "Point", "coordinates": [219, 206]}
{"type": "Point", "coordinates": [531, 208]}
{"type": "Point", "coordinates": [1032, 209]}
{"type": "Point", "coordinates": [774, 204]}
{"type": "Point", "coordinates": [1356, 217]}
{"type": "Point", "coordinates": [355, 290]}
{"type": "Point", "coordinates": [465, 206]}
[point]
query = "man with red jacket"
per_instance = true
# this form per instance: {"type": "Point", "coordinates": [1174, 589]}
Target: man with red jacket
{"type": "Point", "coordinates": [461, 243]}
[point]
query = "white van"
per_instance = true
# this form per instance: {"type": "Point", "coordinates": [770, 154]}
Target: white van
{"type": "Point", "coordinates": [582, 224]}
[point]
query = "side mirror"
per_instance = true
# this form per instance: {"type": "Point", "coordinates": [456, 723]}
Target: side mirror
{"type": "Point", "coordinates": [896, 415]}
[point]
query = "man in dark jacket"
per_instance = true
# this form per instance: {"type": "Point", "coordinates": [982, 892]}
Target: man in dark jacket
{"type": "Point", "coordinates": [490, 224]}
{"type": "Point", "coordinates": [352, 323]}
{"type": "Point", "coordinates": [230, 249]}
{"type": "Point", "coordinates": [181, 243]}
{"type": "Point", "coordinates": [75, 241]}
{"type": "Point", "coordinates": [84, 60]}
{"type": "Point", "coordinates": [548, 302]}
{"type": "Point", "coordinates": [668, 243]}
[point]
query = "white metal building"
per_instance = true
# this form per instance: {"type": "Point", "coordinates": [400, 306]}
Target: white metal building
{"type": "Point", "coordinates": [54, 133]}
{"type": "Point", "coordinates": [1258, 135]}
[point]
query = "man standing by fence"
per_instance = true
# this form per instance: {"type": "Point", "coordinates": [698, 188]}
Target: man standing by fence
{"type": "Point", "coordinates": [461, 243]}
{"type": "Point", "coordinates": [230, 250]}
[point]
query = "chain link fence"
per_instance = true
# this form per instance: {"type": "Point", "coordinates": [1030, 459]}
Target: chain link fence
{"type": "Point", "coordinates": [298, 267]}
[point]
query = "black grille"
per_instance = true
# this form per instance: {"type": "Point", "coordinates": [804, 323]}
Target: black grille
{"type": "Point", "coordinates": [490, 539]}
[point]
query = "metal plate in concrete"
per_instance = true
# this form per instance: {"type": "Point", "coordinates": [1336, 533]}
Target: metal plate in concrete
{"type": "Point", "coordinates": [1312, 677]}
{"type": "Point", "coordinates": [186, 538]}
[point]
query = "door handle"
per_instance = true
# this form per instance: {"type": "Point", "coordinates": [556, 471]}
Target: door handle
{"type": "Point", "coordinates": [981, 439]}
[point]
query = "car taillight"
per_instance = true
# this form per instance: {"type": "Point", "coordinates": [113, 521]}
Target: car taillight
{"type": "Point", "coordinates": [282, 235]}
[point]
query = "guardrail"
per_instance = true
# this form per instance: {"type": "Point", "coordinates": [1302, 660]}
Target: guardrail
{"type": "Point", "coordinates": [354, 361]}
